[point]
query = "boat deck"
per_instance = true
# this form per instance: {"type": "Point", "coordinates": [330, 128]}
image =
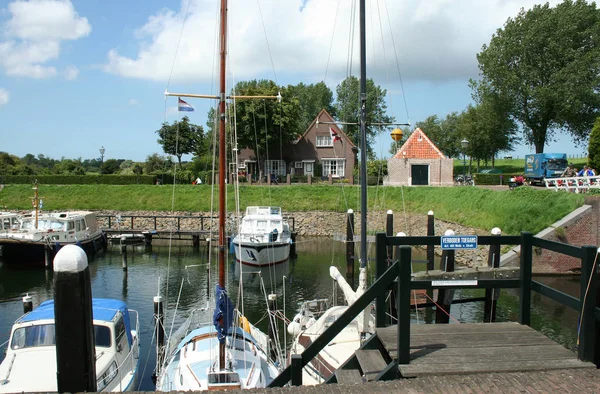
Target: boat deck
{"type": "Point", "coordinates": [447, 349]}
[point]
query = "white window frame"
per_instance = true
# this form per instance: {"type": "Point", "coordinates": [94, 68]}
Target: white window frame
{"type": "Point", "coordinates": [324, 141]}
{"type": "Point", "coordinates": [298, 164]}
{"type": "Point", "coordinates": [275, 167]}
{"type": "Point", "coordinates": [339, 169]}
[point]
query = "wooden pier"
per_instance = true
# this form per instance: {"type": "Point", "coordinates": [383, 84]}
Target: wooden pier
{"type": "Point", "coordinates": [447, 349]}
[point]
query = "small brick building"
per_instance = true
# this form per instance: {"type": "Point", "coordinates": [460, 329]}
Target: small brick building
{"type": "Point", "coordinates": [420, 162]}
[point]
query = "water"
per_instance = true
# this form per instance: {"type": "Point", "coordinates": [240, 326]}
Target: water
{"type": "Point", "coordinates": [306, 277]}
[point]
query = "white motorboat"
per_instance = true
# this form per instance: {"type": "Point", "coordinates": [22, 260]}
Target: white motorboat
{"type": "Point", "coordinates": [264, 238]}
{"type": "Point", "coordinates": [30, 362]}
{"type": "Point", "coordinates": [9, 221]}
{"type": "Point", "coordinates": [40, 236]}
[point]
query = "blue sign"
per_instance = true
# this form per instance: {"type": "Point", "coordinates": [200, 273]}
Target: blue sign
{"type": "Point", "coordinates": [451, 242]}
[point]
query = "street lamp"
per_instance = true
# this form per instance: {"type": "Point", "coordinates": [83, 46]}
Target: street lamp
{"type": "Point", "coordinates": [102, 150]}
{"type": "Point", "coordinates": [464, 143]}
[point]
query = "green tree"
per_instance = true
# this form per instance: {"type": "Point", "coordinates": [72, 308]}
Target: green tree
{"type": "Point", "coordinates": [594, 147]}
{"type": "Point", "coordinates": [180, 138]}
{"type": "Point", "coordinates": [312, 99]}
{"type": "Point", "coordinates": [545, 64]}
{"type": "Point", "coordinates": [266, 125]}
{"type": "Point", "coordinates": [442, 132]}
{"type": "Point", "coordinates": [70, 167]}
{"type": "Point", "coordinates": [347, 109]}
{"type": "Point", "coordinates": [156, 163]}
{"type": "Point", "coordinates": [110, 166]}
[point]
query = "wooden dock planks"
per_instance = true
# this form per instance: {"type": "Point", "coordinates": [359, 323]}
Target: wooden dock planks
{"type": "Point", "coordinates": [439, 349]}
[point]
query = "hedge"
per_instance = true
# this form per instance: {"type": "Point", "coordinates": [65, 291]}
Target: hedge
{"type": "Point", "coordinates": [493, 179]}
{"type": "Point", "coordinates": [79, 179]}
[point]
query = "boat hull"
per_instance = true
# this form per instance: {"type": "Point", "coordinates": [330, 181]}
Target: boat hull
{"type": "Point", "coordinates": [18, 251]}
{"type": "Point", "coordinates": [261, 254]}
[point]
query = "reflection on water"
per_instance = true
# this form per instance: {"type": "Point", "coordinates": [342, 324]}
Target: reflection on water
{"type": "Point", "coordinates": [188, 271]}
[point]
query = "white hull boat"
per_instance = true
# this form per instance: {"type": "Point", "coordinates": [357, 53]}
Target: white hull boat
{"type": "Point", "coordinates": [264, 238]}
{"type": "Point", "coordinates": [30, 362]}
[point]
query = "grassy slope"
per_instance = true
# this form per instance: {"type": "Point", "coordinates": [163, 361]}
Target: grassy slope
{"type": "Point", "coordinates": [523, 209]}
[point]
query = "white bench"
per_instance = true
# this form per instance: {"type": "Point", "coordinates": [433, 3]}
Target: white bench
{"type": "Point", "coordinates": [579, 184]}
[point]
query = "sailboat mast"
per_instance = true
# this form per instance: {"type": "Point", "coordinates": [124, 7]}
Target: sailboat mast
{"type": "Point", "coordinates": [363, 138]}
{"type": "Point", "coordinates": [223, 47]}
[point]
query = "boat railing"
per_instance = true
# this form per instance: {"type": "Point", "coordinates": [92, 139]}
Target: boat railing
{"type": "Point", "coordinates": [126, 370]}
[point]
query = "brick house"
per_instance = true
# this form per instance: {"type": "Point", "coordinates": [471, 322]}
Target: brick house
{"type": "Point", "coordinates": [419, 162]}
{"type": "Point", "coordinates": [315, 148]}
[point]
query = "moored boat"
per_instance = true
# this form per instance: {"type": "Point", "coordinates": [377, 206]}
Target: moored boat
{"type": "Point", "coordinates": [30, 362]}
{"type": "Point", "coordinates": [264, 237]}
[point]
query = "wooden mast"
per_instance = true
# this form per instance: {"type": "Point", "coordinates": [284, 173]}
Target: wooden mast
{"type": "Point", "coordinates": [223, 48]}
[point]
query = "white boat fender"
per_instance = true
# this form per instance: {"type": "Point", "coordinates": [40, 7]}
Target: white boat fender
{"type": "Point", "coordinates": [294, 328]}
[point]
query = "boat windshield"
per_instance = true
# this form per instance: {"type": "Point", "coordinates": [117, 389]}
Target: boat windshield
{"type": "Point", "coordinates": [44, 335]}
{"type": "Point", "coordinates": [43, 224]}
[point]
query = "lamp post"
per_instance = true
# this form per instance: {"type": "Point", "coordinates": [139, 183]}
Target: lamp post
{"type": "Point", "coordinates": [464, 143]}
{"type": "Point", "coordinates": [102, 150]}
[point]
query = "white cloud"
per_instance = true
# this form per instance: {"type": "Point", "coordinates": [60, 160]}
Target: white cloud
{"type": "Point", "coordinates": [132, 102]}
{"type": "Point", "coordinates": [71, 73]}
{"type": "Point", "coordinates": [3, 97]}
{"type": "Point", "coordinates": [436, 40]}
{"type": "Point", "coordinates": [34, 35]}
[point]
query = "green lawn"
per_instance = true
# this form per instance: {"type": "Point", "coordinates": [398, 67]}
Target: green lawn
{"type": "Point", "coordinates": [523, 209]}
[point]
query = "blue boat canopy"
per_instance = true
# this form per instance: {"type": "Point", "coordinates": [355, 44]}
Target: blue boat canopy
{"type": "Point", "coordinates": [103, 309]}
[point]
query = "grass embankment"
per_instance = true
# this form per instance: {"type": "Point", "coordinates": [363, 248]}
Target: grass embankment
{"type": "Point", "coordinates": [523, 209]}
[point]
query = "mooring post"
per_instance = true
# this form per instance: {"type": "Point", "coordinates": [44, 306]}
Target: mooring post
{"type": "Point", "coordinates": [588, 290]}
{"type": "Point", "coordinates": [147, 238]}
{"type": "Point", "coordinates": [491, 295]}
{"type": "Point", "coordinates": [445, 296]}
{"type": "Point", "coordinates": [380, 268]}
{"type": "Point", "coordinates": [124, 256]}
{"type": "Point", "coordinates": [525, 278]}
{"type": "Point", "coordinates": [73, 322]}
{"type": "Point", "coordinates": [350, 246]}
{"type": "Point", "coordinates": [389, 231]}
{"type": "Point", "coordinates": [27, 303]}
{"type": "Point", "coordinates": [403, 305]}
{"type": "Point", "coordinates": [296, 370]}
{"type": "Point", "coordinates": [272, 301]}
{"type": "Point", "coordinates": [159, 319]}
{"type": "Point", "coordinates": [196, 241]}
{"type": "Point", "coordinates": [394, 292]}
{"type": "Point", "coordinates": [293, 244]}
{"type": "Point", "coordinates": [430, 263]}
{"type": "Point", "coordinates": [48, 257]}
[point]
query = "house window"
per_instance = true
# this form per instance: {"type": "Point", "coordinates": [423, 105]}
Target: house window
{"type": "Point", "coordinates": [335, 167]}
{"type": "Point", "coordinates": [298, 164]}
{"type": "Point", "coordinates": [324, 140]}
{"type": "Point", "coordinates": [275, 167]}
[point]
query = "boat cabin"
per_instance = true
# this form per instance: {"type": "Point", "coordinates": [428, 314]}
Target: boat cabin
{"type": "Point", "coordinates": [67, 226]}
{"type": "Point", "coordinates": [263, 220]}
{"type": "Point", "coordinates": [9, 221]}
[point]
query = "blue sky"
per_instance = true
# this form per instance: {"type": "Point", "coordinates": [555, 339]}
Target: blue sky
{"type": "Point", "coordinates": [76, 75]}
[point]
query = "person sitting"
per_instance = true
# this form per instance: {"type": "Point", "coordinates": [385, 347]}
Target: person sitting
{"type": "Point", "coordinates": [570, 171]}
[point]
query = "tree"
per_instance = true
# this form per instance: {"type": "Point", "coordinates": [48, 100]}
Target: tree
{"type": "Point", "coordinates": [594, 147]}
{"type": "Point", "coordinates": [347, 109]}
{"type": "Point", "coordinates": [266, 125]}
{"type": "Point", "coordinates": [156, 163]}
{"type": "Point", "coordinates": [312, 99]}
{"type": "Point", "coordinates": [545, 64]}
{"type": "Point", "coordinates": [180, 138]}
{"type": "Point", "coordinates": [442, 132]}
{"type": "Point", "coordinates": [110, 166]}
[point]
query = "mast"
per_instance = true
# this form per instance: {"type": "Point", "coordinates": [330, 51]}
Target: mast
{"type": "Point", "coordinates": [363, 138]}
{"type": "Point", "coordinates": [223, 48]}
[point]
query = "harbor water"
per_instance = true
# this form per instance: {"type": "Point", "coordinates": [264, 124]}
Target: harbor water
{"type": "Point", "coordinates": [181, 274]}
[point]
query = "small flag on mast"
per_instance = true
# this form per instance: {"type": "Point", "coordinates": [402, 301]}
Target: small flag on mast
{"type": "Point", "coordinates": [334, 135]}
{"type": "Point", "coordinates": [183, 106]}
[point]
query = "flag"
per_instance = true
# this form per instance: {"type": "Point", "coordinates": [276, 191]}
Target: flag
{"type": "Point", "coordinates": [183, 106]}
{"type": "Point", "coordinates": [334, 135]}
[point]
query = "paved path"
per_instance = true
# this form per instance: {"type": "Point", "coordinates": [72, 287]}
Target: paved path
{"type": "Point", "coordinates": [555, 381]}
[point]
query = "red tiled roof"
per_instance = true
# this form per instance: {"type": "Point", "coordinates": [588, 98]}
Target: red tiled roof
{"type": "Point", "coordinates": [419, 146]}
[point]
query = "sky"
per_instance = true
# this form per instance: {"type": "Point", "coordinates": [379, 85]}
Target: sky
{"type": "Point", "coordinates": [78, 75]}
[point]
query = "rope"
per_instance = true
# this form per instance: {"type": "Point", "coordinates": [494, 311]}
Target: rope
{"type": "Point", "coordinates": [440, 308]}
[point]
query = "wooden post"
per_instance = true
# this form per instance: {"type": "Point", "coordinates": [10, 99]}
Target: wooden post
{"type": "Point", "coordinates": [272, 301]}
{"type": "Point", "coordinates": [27, 304]}
{"type": "Point", "coordinates": [73, 322]}
{"type": "Point", "coordinates": [430, 263]}
{"type": "Point", "coordinates": [588, 295]}
{"type": "Point", "coordinates": [491, 295]}
{"type": "Point", "coordinates": [389, 231]}
{"type": "Point", "coordinates": [195, 241]}
{"type": "Point", "coordinates": [350, 246]}
{"type": "Point", "coordinates": [445, 296]}
{"type": "Point", "coordinates": [309, 179]}
{"type": "Point", "coordinates": [288, 179]}
{"type": "Point", "coordinates": [293, 245]}
{"type": "Point", "coordinates": [250, 178]}
{"type": "Point", "coordinates": [381, 265]}
{"type": "Point", "coordinates": [147, 238]}
{"type": "Point", "coordinates": [296, 370]}
{"type": "Point", "coordinates": [48, 256]}
{"type": "Point", "coordinates": [525, 279]}
{"type": "Point", "coordinates": [124, 256]}
{"type": "Point", "coordinates": [330, 179]}
{"type": "Point", "coordinates": [403, 305]}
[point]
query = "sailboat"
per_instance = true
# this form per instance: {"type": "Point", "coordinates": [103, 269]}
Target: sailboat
{"type": "Point", "coordinates": [228, 352]}
{"type": "Point", "coordinates": [315, 316]}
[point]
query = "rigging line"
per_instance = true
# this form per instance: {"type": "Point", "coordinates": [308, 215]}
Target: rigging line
{"type": "Point", "coordinates": [178, 42]}
{"type": "Point", "coordinates": [351, 35]}
{"type": "Point", "coordinates": [331, 42]}
{"type": "Point", "coordinates": [442, 309]}
{"type": "Point", "coordinates": [397, 63]}
{"type": "Point", "coordinates": [267, 39]}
